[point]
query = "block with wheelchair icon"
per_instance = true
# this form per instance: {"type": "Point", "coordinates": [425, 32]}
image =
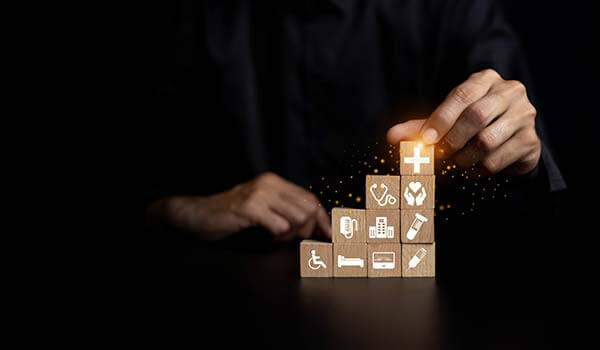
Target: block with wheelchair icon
{"type": "Point", "coordinates": [417, 192]}
{"type": "Point", "coordinates": [382, 192]}
{"type": "Point", "coordinates": [348, 225]}
{"type": "Point", "coordinates": [316, 259]}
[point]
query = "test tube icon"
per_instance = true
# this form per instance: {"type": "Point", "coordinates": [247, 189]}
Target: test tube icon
{"type": "Point", "coordinates": [415, 227]}
{"type": "Point", "coordinates": [416, 259]}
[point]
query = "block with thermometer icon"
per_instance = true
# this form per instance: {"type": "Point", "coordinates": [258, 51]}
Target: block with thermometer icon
{"type": "Point", "coordinates": [348, 225]}
{"type": "Point", "coordinates": [418, 260]}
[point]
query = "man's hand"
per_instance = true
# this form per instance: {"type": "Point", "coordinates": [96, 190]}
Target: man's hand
{"type": "Point", "coordinates": [485, 120]}
{"type": "Point", "coordinates": [284, 209]}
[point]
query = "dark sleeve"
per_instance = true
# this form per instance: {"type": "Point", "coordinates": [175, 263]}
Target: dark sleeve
{"type": "Point", "coordinates": [474, 35]}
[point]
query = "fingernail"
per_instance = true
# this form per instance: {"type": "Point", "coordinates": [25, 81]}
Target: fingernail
{"type": "Point", "coordinates": [430, 136]}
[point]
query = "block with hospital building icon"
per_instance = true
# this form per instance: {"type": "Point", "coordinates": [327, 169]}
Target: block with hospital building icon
{"type": "Point", "coordinates": [383, 226]}
{"type": "Point", "coordinates": [416, 226]}
{"type": "Point", "coordinates": [348, 225]}
{"type": "Point", "coordinates": [315, 259]}
{"type": "Point", "coordinates": [382, 192]}
{"type": "Point", "coordinates": [416, 158]}
{"type": "Point", "coordinates": [384, 260]}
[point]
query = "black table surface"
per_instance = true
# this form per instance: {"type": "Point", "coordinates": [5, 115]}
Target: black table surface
{"type": "Point", "coordinates": [240, 294]}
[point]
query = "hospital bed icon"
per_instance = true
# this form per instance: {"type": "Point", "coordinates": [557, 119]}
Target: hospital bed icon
{"type": "Point", "coordinates": [348, 262]}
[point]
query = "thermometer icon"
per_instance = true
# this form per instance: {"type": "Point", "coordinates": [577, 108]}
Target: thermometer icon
{"type": "Point", "coordinates": [416, 259]}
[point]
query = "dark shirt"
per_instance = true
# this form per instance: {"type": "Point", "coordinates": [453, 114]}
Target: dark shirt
{"type": "Point", "coordinates": [307, 89]}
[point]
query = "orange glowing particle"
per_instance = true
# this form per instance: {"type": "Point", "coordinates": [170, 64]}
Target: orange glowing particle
{"type": "Point", "coordinates": [382, 161]}
{"type": "Point", "coordinates": [375, 171]}
{"type": "Point", "coordinates": [350, 195]}
{"type": "Point", "coordinates": [358, 199]}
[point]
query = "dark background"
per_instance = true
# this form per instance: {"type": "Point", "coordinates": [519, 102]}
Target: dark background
{"type": "Point", "coordinates": [560, 43]}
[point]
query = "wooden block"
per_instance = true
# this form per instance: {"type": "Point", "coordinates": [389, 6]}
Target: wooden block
{"type": "Point", "coordinates": [315, 259]}
{"type": "Point", "coordinates": [417, 226]}
{"type": "Point", "coordinates": [383, 226]}
{"type": "Point", "coordinates": [384, 260]}
{"type": "Point", "coordinates": [350, 260]}
{"type": "Point", "coordinates": [348, 225]}
{"type": "Point", "coordinates": [416, 158]}
{"type": "Point", "coordinates": [418, 192]}
{"type": "Point", "coordinates": [383, 192]}
{"type": "Point", "coordinates": [418, 260]}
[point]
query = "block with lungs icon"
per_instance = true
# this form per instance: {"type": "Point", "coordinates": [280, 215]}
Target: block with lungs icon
{"type": "Point", "coordinates": [417, 226]}
{"type": "Point", "coordinates": [383, 226]}
{"type": "Point", "coordinates": [382, 192]}
{"type": "Point", "coordinates": [348, 225]}
{"type": "Point", "coordinates": [315, 259]}
{"type": "Point", "coordinates": [416, 158]}
{"type": "Point", "coordinates": [417, 192]}
{"type": "Point", "coordinates": [350, 260]}
{"type": "Point", "coordinates": [384, 260]}
{"type": "Point", "coordinates": [418, 260]}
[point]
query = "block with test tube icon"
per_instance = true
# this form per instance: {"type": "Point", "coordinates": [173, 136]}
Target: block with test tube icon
{"type": "Point", "coordinates": [417, 226]}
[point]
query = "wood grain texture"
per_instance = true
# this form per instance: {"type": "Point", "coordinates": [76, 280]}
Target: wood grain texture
{"type": "Point", "coordinates": [344, 254]}
{"type": "Point", "coordinates": [382, 192]}
{"type": "Point", "coordinates": [384, 260]}
{"type": "Point", "coordinates": [412, 187]}
{"type": "Point", "coordinates": [413, 225]}
{"type": "Point", "coordinates": [324, 251]}
{"type": "Point", "coordinates": [391, 218]}
{"type": "Point", "coordinates": [426, 267]}
{"type": "Point", "coordinates": [346, 222]}
{"type": "Point", "coordinates": [407, 151]}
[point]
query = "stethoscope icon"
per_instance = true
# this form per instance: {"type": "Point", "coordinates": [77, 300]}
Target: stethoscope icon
{"type": "Point", "coordinates": [385, 198]}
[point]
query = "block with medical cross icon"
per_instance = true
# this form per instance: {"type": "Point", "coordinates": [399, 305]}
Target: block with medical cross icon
{"type": "Point", "coordinates": [382, 192]}
{"type": "Point", "coordinates": [348, 225]}
{"type": "Point", "coordinates": [383, 226]}
{"type": "Point", "coordinates": [316, 259]}
{"type": "Point", "coordinates": [417, 192]}
{"type": "Point", "coordinates": [416, 226]}
{"type": "Point", "coordinates": [416, 158]}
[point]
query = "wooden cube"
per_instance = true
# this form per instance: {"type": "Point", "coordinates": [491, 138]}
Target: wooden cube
{"type": "Point", "coordinates": [315, 259]}
{"type": "Point", "coordinates": [350, 260]}
{"type": "Point", "coordinates": [417, 226]}
{"type": "Point", "coordinates": [384, 260]}
{"type": "Point", "coordinates": [348, 225]}
{"type": "Point", "coordinates": [416, 158]}
{"type": "Point", "coordinates": [382, 192]}
{"type": "Point", "coordinates": [417, 192]}
{"type": "Point", "coordinates": [418, 260]}
{"type": "Point", "coordinates": [383, 226]}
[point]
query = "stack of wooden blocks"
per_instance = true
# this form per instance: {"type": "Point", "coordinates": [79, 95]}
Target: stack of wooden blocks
{"type": "Point", "coordinates": [393, 237]}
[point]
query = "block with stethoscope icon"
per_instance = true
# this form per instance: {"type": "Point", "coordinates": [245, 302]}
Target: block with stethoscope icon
{"type": "Point", "coordinates": [348, 225]}
{"type": "Point", "coordinates": [316, 259]}
{"type": "Point", "coordinates": [382, 192]}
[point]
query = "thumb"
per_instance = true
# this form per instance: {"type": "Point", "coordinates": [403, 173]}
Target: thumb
{"type": "Point", "coordinates": [405, 131]}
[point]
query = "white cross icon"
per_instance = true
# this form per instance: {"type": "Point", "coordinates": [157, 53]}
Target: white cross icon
{"type": "Point", "coordinates": [416, 160]}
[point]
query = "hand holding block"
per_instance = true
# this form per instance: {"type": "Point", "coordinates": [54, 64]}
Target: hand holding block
{"type": "Point", "coordinates": [418, 260]}
{"type": "Point", "coordinates": [315, 259]}
{"type": "Point", "coordinates": [348, 225]}
{"type": "Point", "coordinates": [383, 226]}
{"type": "Point", "coordinates": [416, 158]}
{"type": "Point", "coordinates": [418, 192]}
{"type": "Point", "coordinates": [417, 226]}
{"type": "Point", "coordinates": [350, 260]}
{"type": "Point", "coordinates": [384, 260]}
{"type": "Point", "coordinates": [382, 192]}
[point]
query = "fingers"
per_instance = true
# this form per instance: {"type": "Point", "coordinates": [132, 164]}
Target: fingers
{"type": "Point", "coordinates": [445, 116]}
{"type": "Point", "coordinates": [521, 149]}
{"type": "Point", "coordinates": [472, 120]}
{"type": "Point", "coordinates": [405, 131]}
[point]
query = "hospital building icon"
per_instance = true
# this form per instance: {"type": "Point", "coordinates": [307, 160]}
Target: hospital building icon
{"type": "Point", "coordinates": [381, 229]}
